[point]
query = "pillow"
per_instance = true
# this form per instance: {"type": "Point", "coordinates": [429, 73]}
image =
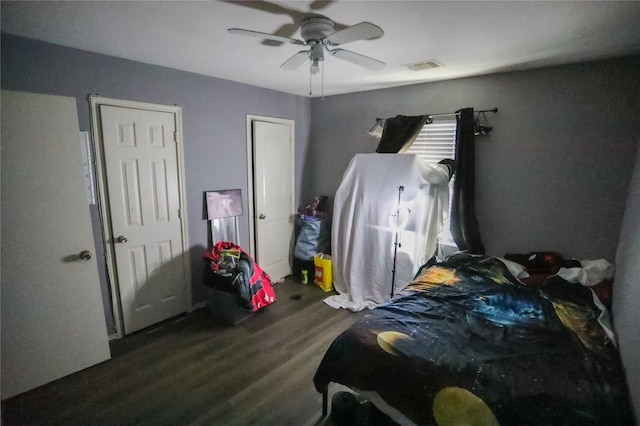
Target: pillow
{"type": "Point", "coordinates": [516, 269]}
{"type": "Point", "coordinates": [539, 262]}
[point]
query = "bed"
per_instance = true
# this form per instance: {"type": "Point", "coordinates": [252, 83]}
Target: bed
{"type": "Point", "coordinates": [468, 340]}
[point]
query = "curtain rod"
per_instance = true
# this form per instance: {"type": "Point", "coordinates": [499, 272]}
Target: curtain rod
{"type": "Point", "coordinates": [430, 116]}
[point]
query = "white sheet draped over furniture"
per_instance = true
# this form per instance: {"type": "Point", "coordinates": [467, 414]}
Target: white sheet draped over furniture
{"type": "Point", "coordinates": [365, 223]}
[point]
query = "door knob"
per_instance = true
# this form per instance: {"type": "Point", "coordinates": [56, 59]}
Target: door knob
{"type": "Point", "coordinates": [262, 216]}
{"type": "Point", "coordinates": [85, 255]}
{"type": "Point", "coordinates": [121, 239]}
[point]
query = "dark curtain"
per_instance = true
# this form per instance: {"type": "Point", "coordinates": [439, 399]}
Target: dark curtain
{"type": "Point", "coordinates": [464, 225]}
{"type": "Point", "coordinates": [400, 132]}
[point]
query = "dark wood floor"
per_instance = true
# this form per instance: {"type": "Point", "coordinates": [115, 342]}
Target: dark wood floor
{"type": "Point", "coordinates": [192, 370]}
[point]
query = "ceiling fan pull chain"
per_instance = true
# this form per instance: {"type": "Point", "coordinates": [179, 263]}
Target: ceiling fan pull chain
{"type": "Point", "coordinates": [322, 83]}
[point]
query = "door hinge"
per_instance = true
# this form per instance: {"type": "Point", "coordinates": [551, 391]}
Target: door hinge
{"type": "Point", "coordinates": [175, 136]}
{"type": "Point", "coordinates": [180, 213]}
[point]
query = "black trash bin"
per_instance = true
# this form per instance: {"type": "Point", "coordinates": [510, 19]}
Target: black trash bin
{"type": "Point", "coordinates": [224, 303]}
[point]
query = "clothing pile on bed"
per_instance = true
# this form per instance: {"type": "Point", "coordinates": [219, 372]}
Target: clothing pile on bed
{"type": "Point", "coordinates": [467, 337]}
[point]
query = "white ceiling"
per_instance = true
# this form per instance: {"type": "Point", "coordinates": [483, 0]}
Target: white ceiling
{"type": "Point", "coordinates": [468, 38]}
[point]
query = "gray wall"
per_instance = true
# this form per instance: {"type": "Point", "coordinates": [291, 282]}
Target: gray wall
{"type": "Point", "coordinates": [553, 173]}
{"type": "Point", "coordinates": [627, 288]}
{"type": "Point", "coordinates": [214, 116]}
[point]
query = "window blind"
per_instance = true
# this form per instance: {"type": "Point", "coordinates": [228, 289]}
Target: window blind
{"type": "Point", "coordinates": [436, 142]}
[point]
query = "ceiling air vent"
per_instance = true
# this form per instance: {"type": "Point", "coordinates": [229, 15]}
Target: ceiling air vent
{"type": "Point", "coordinates": [424, 65]}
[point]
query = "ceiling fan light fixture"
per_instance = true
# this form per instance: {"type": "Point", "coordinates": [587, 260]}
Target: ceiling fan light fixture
{"type": "Point", "coordinates": [315, 68]}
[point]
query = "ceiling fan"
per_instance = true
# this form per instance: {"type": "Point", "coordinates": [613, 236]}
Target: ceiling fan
{"type": "Point", "coordinates": [320, 35]}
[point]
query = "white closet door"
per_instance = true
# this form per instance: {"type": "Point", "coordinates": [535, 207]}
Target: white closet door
{"type": "Point", "coordinates": [273, 192]}
{"type": "Point", "coordinates": [52, 315]}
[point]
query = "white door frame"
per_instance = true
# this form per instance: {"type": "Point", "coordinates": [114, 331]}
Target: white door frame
{"type": "Point", "coordinates": [96, 101]}
{"type": "Point", "coordinates": [250, 174]}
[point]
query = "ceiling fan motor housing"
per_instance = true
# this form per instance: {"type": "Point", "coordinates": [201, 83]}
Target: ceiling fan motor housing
{"type": "Point", "coordinates": [316, 28]}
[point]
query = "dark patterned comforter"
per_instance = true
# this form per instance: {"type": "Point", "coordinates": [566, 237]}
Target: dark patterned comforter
{"type": "Point", "coordinates": [466, 340]}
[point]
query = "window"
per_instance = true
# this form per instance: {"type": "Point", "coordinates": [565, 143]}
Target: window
{"type": "Point", "coordinates": [436, 142]}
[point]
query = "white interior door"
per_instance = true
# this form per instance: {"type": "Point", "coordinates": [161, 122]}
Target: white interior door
{"type": "Point", "coordinates": [52, 315]}
{"type": "Point", "coordinates": [141, 164]}
{"type": "Point", "coordinates": [273, 194]}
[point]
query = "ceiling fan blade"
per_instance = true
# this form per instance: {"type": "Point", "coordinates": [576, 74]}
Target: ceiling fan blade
{"type": "Point", "coordinates": [361, 31]}
{"type": "Point", "coordinates": [296, 60]}
{"type": "Point", "coordinates": [320, 4]}
{"type": "Point", "coordinates": [284, 31]}
{"type": "Point", "coordinates": [358, 59]}
{"type": "Point", "coordinates": [263, 6]}
{"type": "Point", "coordinates": [267, 36]}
